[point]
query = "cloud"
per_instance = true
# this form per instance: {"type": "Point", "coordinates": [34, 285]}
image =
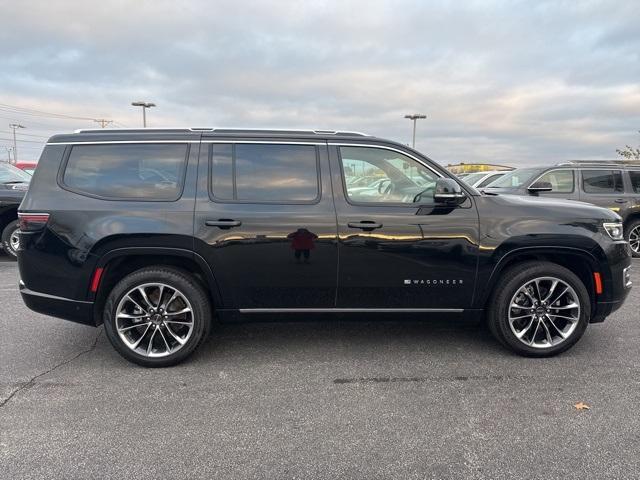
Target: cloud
{"type": "Point", "coordinates": [513, 82]}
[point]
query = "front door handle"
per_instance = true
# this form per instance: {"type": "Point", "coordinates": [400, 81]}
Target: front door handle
{"type": "Point", "coordinates": [366, 225]}
{"type": "Point", "coordinates": [223, 223]}
{"type": "Point", "coordinates": [621, 200]}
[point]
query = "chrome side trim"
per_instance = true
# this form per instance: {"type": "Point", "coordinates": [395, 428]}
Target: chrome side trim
{"type": "Point", "coordinates": [106, 142]}
{"type": "Point", "coordinates": [26, 291]}
{"type": "Point", "coordinates": [276, 142]}
{"type": "Point", "coordinates": [350, 310]}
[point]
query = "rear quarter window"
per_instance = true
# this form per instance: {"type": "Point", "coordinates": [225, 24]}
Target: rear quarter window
{"type": "Point", "coordinates": [634, 175]}
{"type": "Point", "coordinates": [127, 171]}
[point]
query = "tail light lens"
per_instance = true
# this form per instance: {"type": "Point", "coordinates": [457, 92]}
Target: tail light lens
{"type": "Point", "coordinates": [32, 222]}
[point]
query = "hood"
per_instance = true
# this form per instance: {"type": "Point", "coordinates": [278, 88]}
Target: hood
{"type": "Point", "coordinates": [531, 206]}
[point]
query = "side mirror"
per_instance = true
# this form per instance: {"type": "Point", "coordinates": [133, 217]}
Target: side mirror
{"type": "Point", "coordinates": [448, 191]}
{"type": "Point", "coordinates": [540, 187]}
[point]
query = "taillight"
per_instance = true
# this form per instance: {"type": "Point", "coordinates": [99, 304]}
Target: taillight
{"type": "Point", "coordinates": [32, 222]}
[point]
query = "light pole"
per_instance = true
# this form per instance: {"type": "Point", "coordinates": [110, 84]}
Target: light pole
{"type": "Point", "coordinates": [144, 106]}
{"type": "Point", "coordinates": [415, 117]}
{"type": "Point", "coordinates": [14, 127]}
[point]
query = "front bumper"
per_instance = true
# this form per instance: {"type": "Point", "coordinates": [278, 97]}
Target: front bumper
{"type": "Point", "coordinates": [60, 307]}
{"type": "Point", "coordinates": [617, 285]}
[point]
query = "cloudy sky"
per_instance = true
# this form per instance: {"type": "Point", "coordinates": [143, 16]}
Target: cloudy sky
{"type": "Point", "coordinates": [502, 82]}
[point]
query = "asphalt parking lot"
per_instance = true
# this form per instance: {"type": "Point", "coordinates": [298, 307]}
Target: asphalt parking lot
{"type": "Point", "coordinates": [320, 399]}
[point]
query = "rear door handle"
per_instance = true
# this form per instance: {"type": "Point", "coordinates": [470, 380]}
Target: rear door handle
{"type": "Point", "coordinates": [366, 225]}
{"type": "Point", "coordinates": [224, 223]}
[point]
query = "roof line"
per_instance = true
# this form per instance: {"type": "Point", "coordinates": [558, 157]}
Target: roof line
{"type": "Point", "coordinates": [224, 130]}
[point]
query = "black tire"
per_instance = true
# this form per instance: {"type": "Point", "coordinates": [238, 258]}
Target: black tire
{"type": "Point", "coordinates": [630, 227]}
{"type": "Point", "coordinates": [514, 278]}
{"type": "Point", "coordinates": [8, 231]}
{"type": "Point", "coordinates": [174, 278]}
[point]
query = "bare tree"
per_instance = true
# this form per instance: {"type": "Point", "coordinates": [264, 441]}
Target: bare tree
{"type": "Point", "coordinates": [629, 152]}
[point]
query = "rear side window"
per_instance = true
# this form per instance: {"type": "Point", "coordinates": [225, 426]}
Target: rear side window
{"type": "Point", "coordinates": [635, 180]}
{"type": "Point", "coordinates": [602, 181]}
{"type": "Point", "coordinates": [127, 171]}
{"type": "Point", "coordinates": [270, 173]}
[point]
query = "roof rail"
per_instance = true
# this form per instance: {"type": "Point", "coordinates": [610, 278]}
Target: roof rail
{"type": "Point", "coordinates": [223, 130]}
{"type": "Point", "coordinates": [602, 163]}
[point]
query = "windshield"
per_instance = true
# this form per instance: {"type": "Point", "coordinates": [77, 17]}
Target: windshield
{"type": "Point", "coordinates": [474, 177]}
{"type": "Point", "coordinates": [9, 173]}
{"type": "Point", "coordinates": [516, 178]}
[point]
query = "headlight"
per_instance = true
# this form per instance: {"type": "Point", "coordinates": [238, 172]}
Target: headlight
{"type": "Point", "coordinates": [614, 230]}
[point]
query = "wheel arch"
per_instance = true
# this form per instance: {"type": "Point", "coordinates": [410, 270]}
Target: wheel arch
{"type": "Point", "coordinates": [581, 262]}
{"type": "Point", "coordinates": [120, 262]}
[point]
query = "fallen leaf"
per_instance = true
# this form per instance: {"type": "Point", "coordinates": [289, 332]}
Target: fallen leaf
{"type": "Point", "coordinates": [582, 406]}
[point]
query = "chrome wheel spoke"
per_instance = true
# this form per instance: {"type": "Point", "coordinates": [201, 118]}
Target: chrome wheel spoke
{"type": "Point", "coordinates": [126, 329]}
{"type": "Point", "coordinates": [178, 339]}
{"type": "Point", "coordinates": [565, 307]}
{"type": "Point", "coordinates": [137, 342]}
{"type": "Point", "coordinates": [180, 322]}
{"type": "Point", "coordinates": [524, 331]}
{"type": "Point", "coordinates": [571, 319]}
{"type": "Point", "coordinates": [179, 312]}
{"type": "Point", "coordinates": [547, 332]}
{"type": "Point", "coordinates": [128, 297]}
{"type": "Point", "coordinates": [150, 345]}
{"type": "Point", "coordinates": [165, 340]}
{"type": "Point", "coordinates": [143, 294]}
{"type": "Point", "coordinates": [560, 332]}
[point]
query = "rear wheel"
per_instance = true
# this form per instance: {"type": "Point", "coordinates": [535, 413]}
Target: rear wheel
{"type": "Point", "coordinates": [632, 234]}
{"type": "Point", "coordinates": [157, 316]}
{"type": "Point", "coordinates": [11, 240]}
{"type": "Point", "coordinates": [539, 309]}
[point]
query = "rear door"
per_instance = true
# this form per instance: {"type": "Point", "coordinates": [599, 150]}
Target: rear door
{"type": "Point", "coordinates": [265, 222]}
{"type": "Point", "coordinates": [604, 187]}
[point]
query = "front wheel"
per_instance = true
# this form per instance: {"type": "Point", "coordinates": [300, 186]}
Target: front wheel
{"type": "Point", "coordinates": [632, 234]}
{"type": "Point", "coordinates": [539, 309]}
{"type": "Point", "coordinates": [157, 316]}
{"type": "Point", "coordinates": [11, 240]}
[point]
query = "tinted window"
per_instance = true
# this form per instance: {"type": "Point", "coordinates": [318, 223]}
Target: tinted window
{"type": "Point", "coordinates": [375, 175]}
{"type": "Point", "coordinates": [602, 181]}
{"type": "Point", "coordinates": [145, 171]}
{"type": "Point", "coordinates": [561, 180]}
{"type": "Point", "coordinates": [264, 173]}
{"type": "Point", "coordinates": [635, 180]}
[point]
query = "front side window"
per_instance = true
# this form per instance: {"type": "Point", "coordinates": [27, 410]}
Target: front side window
{"type": "Point", "coordinates": [561, 180]}
{"type": "Point", "coordinates": [375, 175]}
{"type": "Point", "coordinates": [127, 171]}
{"type": "Point", "coordinates": [634, 175]}
{"type": "Point", "coordinates": [489, 180]}
{"type": "Point", "coordinates": [602, 181]}
{"type": "Point", "coordinates": [271, 173]}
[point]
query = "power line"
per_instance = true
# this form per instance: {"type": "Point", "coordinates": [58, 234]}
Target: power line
{"type": "Point", "coordinates": [41, 113]}
{"type": "Point", "coordinates": [23, 141]}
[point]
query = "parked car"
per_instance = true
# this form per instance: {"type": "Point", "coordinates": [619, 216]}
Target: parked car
{"type": "Point", "coordinates": [13, 185]}
{"type": "Point", "coordinates": [264, 222]}
{"type": "Point", "coordinates": [614, 185]}
{"type": "Point", "coordinates": [482, 179]}
{"type": "Point", "coordinates": [28, 167]}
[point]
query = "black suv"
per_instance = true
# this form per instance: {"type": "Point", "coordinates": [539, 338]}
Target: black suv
{"type": "Point", "coordinates": [13, 185]}
{"type": "Point", "coordinates": [611, 184]}
{"type": "Point", "coordinates": [151, 232]}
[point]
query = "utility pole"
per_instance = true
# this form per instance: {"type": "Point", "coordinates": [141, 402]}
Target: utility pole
{"type": "Point", "coordinates": [144, 106]}
{"type": "Point", "coordinates": [8, 149]}
{"type": "Point", "coordinates": [14, 127]}
{"type": "Point", "coordinates": [103, 122]}
{"type": "Point", "coordinates": [415, 117]}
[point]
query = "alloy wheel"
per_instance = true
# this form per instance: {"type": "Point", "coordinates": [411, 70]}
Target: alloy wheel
{"type": "Point", "coordinates": [14, 240]}
{"type": "Point", "coordinates": [154, 319]}
{"type": "Point", "coordinates": [634, 239]}
{"type": "Point", "coordinates": [544, 312]}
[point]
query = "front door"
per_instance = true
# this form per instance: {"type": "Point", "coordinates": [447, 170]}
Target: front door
{"type": "Point", "coordinates": [265, 223]}
{"type": "Point", "coordinates": [397, 248]}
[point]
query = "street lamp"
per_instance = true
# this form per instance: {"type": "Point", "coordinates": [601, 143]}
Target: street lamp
{"type": "Point", "coordinates": [415, 117]}
{"type": "Point", "coordinates": [14, 127]}
{"type": "Point", "coordinates": [144, 106]}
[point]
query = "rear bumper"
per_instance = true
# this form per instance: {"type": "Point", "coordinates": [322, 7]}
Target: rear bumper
{"type": "Point", "coordinates": [60, 307]}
